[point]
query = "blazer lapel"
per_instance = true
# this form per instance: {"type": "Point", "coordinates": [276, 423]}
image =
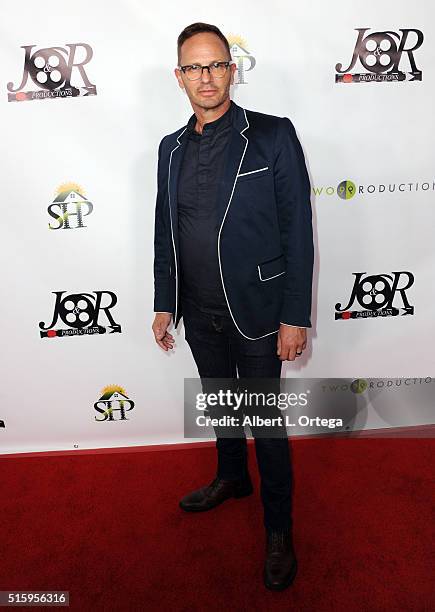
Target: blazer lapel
{"type": "Point", "coordinates": [236, 152]}
{"type": "Point", "coordinates": [175, 159]}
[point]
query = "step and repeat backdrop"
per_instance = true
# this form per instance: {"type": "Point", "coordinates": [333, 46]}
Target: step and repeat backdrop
{"type": "Point", "coordinates": [87, 93]}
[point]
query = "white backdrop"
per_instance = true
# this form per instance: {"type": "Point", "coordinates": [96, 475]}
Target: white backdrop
{"type": "Point", "coordinates": [103, 148]}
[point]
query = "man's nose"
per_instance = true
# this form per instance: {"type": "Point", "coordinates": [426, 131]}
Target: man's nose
{"type": "Point", "coordinates": [205, 75]}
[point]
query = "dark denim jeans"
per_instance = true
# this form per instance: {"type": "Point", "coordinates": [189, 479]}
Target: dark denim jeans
{"type": "Point", "coordinates": [220, 351]}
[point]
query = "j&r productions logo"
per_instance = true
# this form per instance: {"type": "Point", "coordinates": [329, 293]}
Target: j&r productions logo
{"type": "Point", "coordinates": [52, 69]}
{"type": "Point", "coordinates": [347, 189]}
{"type": "Point", "coordinates": [380, 53]}
{"type": "Point", "coordinates": [376, 294]}
{"type": "Point", "coordinates": [69, 207]}
{"type": "Point", "coordinates": [80, 312]}
{"type": "Point", "coordinates": [241, 56]}
{"type": "Point", "coordinates": [113, 404]}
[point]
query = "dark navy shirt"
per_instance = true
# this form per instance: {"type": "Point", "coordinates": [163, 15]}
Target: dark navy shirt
{"type": "Point", "coordinates": [198, 228]}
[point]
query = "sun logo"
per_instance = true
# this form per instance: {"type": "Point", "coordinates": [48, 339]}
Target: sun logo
{"type": "Point", "coordinates": [236, 39]}
{"type": "Point", "coordinates": [68, 187]}
{"type": "Point", "coordinates": [110, 389]}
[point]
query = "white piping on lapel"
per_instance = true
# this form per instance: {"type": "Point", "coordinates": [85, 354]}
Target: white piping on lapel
{"type": "Point", "coordinates": [220, 230]}
{"type": "Point", "coordinates": [172, 231]}
{"type": "Point", "coordinates": [253, 171]}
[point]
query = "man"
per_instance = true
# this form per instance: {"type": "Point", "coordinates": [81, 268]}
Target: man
{"type": "Point", "coordinates": [234, 258]}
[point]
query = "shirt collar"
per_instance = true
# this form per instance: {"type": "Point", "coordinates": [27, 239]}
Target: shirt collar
{"type": "Point", "coordinates": [219, 123]}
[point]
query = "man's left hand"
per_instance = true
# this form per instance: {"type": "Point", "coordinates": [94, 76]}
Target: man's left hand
{"type": "Point", "coordinates": [291, 342]}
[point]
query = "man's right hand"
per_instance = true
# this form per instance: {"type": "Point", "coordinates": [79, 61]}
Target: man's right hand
{"type": "Point", "coordinates": [159, 327]}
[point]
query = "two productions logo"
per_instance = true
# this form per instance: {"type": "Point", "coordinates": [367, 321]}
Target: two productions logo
{"type": "Point", "coordinates": [347, 189]}
{"type": "Point", "coordinates": [380, 54]}
{"type": "Point", "coordinates": [56, 72]}
{"type": "Point", "coordinates": [376, 294]}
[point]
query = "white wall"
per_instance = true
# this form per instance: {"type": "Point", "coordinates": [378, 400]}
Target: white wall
{"type": "Point", "coordinates": [371, 133]}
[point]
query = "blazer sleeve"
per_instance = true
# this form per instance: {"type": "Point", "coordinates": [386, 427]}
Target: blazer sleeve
{"type": "Point", "coordinates": [162, 246]}
{"type": "Point", "coordinates": [292, 191]}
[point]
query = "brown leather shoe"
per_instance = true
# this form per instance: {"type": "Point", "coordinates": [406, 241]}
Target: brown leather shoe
{"type": "Point", "coordinates": [215, 493]}
{"type": "Point", "coordinates": [280, 566]}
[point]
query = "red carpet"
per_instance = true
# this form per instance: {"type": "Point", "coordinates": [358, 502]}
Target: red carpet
{"type": "Point", "coordinates": [107, 528]}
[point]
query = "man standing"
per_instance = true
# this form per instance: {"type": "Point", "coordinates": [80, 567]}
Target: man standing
{"type": "Point", "coordinates": [233, 256]}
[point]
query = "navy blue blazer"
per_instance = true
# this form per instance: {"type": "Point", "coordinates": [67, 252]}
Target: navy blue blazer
{"type": "Point", "coordinates": [265, 240]}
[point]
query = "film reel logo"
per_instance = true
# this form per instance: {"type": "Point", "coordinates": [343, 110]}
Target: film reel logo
{"type": "Point", "coordinates": [380, 53]}
{"type": "Point", "coordinates": [69, 207]}
{"type": "Point", "coordinates": [51, 69]}
{"type": "Point", "coordinates": [80, 312]}
{"type": "Point", "coordinates": [346, 190]}
{"type": "Point", "coordinates": [375, 294]}
{"type": "Point", "coordinates": [241, 56]}
{"type": "Point", "coordinates": [113, 404]}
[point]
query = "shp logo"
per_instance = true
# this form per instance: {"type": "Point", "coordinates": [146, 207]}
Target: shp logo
{"type": "Point", "coordinates": [241, 56]}
{"type": "Point", "coordinates": [69, 207]}
{"type": "Point", "coordinates": [113, 405]}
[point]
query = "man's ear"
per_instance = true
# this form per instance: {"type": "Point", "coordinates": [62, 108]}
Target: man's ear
{"type": "Point", "coordinates": [233, 70]}
{"type": "Point", "coordinates": [178, 77]}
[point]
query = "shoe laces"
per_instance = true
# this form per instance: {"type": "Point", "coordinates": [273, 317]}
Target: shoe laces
{"type": "Point", "coordinates": [214, 485]}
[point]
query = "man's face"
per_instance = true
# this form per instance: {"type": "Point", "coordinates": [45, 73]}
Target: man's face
{"type": "Point", "coordinates": [208, 91]}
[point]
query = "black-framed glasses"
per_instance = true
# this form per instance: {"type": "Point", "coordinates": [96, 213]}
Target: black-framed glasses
{"type": "Point", "coordinates": [216, 69]}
